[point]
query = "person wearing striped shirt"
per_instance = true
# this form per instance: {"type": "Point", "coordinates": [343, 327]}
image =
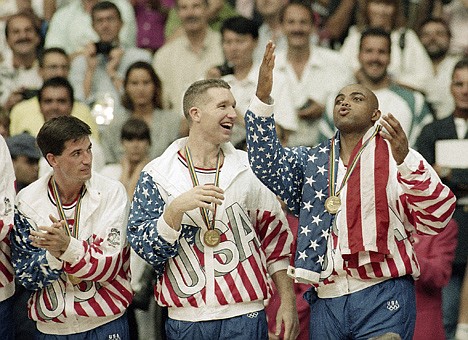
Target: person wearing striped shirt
{"type": "Point", "coordinates": [359, 197]}
{"type": "Point", "coordinates": [69, 241]}
{"type": "Point", "coordinates": [212, 232]}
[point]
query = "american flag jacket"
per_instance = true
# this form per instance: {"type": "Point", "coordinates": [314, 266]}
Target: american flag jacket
{"type": "Point", "coordinates": [413, 199]}
{"type": "Point", "coordinates": [98, 257]}
{"type": "Point", "coordinates": [7, 199]}
{"type": "Point", "coordinates": [195, 281]}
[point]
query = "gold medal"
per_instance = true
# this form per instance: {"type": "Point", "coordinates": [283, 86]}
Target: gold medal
{"type": "Point", "coordinates": [73, 279]}
{"type": "Point", "coordinates": [332, 204]}
{"type": "Point", "coordinates": [212, 238]}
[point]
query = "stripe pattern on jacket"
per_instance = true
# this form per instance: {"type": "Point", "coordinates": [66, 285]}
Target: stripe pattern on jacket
{"type": "Point", "coordinates": [190, 274]}
{"type": "Point", "coordinates": [7, 199]}
{"type": "Point", "coordinates": [101, 260]}
{"type": "Point", "coordinates": [417, 201]}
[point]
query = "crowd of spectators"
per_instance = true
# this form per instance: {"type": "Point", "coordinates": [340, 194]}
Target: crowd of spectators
{"type": "Point", "coordinates": [122, 66]}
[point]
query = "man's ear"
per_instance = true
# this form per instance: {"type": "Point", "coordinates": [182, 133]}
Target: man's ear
{"type": "Point", "coordinates": [376, 115]}
{"type": "Point", "coordinates": [194, 113]}
{"type": "Point", "coordinates": [50, 158]}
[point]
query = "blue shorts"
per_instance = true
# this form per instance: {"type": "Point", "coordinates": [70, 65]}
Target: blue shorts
{"type": "Point", "coordinates": [387, 307]}
{"type": "Point", "coordinates": [7, 325]}
{"type": "Point", "coordinates": [251, 326]}
{"type": "Point", "coordinates": [114, 330]}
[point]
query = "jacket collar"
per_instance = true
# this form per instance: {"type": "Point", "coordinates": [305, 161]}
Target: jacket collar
{"type": "Point", "coordinates": [233, 165]}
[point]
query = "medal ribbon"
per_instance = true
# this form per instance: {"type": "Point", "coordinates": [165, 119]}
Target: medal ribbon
{"type": "Point", "coordinates": [333, 171]}
{"type": "Point", "coordinates": [61, 212]}
{"type": "Point", "coordinates": [193, 176]}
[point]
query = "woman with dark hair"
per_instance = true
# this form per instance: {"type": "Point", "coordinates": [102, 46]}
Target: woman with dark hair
{"type": "Point", "coordinates": [142, 98]}
{"type": "Point", "coordinates": [144, 317]}
{"type": "Point", "coordinates": [135, 139]}
{"type": "Point", "coordinates": [409, 64]}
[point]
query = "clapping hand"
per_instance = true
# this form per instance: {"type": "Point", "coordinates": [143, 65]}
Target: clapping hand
{"type": "Point", "coordinates": [54, 238]}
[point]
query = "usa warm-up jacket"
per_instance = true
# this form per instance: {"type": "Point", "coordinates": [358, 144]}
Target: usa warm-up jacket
{"type": "Point", "coordinates": [7, 200]}
{"type": "Point", "coordinates": [369, 239]}
{"type": "Point", "coordinates": [99, 257]}
{"type": "Point", "coordinates": [195, 281]}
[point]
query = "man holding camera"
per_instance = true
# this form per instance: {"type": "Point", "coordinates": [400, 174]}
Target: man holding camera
{"type": "Point", "coordinates": [19, 76]}
{"type": "Point", "coordinates": [102, 67]}
{"type": "Point", "coordinates": [28, 116]}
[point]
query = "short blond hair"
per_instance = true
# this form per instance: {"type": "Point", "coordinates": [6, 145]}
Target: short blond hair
{"type": "Point", "coordinates": [196, 94]}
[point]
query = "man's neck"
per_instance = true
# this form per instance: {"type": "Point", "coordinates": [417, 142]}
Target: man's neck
{"type": "Point", "coordinates": [348, 142]}
{"type": "Point", "coordinates": [372, 84]}
{"type": "Point", "coordinates": [273, 22]}
{"type": "Point", "coordinates": [242, 71]}
{"type": "Point", "coordinates": [436, 62]}
{"type": "Point", "coordinates": [68, 192]}
{"type": "Point", "coordinates": [197, 39]}
{"type": "Point", "coordinates": [460, 113]}
{"type": "Point", "coordinates": [299, 54]}
{"type": "Point", "coordinates": [298, 58]}
{"type": "Point", "coordinates": [204, 155]}
{"type": "Point", "coordinates": [26, 61]}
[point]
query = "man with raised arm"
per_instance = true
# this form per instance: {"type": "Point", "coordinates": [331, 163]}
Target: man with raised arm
{"type": "Point", "coordinates": [359, 196]}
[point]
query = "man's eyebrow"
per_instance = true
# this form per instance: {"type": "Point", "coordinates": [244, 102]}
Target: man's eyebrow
{"type": "Point", "coordinates": [358, 93]}
{"type": "Point", "coordinates": [355, 93]}
{"type": "Point", "coordinates": [80, 149]}
{"type": "Point", "coordinates": [225, 102]}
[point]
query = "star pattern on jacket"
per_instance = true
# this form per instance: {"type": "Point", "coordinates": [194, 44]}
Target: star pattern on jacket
{"type": "Point", "coordinates": [146, 209]}
{"type": "Point", "coordinates": [296, 168]}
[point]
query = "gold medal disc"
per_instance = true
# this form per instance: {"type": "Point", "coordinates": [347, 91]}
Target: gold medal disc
{"type": "Point", "coordinates": [332, 204]}
{"type": "Point", "coordinates": [73, 279]}
{"type": "Point", "coordinates": [212, 238]}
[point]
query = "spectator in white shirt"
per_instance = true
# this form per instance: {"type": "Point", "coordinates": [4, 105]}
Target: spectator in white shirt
{"type": "Point", "coordinates": [21, 73]}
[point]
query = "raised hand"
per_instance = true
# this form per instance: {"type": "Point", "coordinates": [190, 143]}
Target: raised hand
{"type": "Point", "coordinates": [396, 136]}
{"type": "Point", "coordinates": [90, 55]}
{"type": "Point", "coordinates": [115, 57]}
{"type": "Point", "coordinates": [265, 74]}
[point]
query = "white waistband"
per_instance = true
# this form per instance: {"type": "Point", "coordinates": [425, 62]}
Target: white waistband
{"type": "Point", "coordinates": [346, 285]}
{"type": "Point", "coordinates": [205, 313]}
{"type": "Point", "coordinates": [75, 324]}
